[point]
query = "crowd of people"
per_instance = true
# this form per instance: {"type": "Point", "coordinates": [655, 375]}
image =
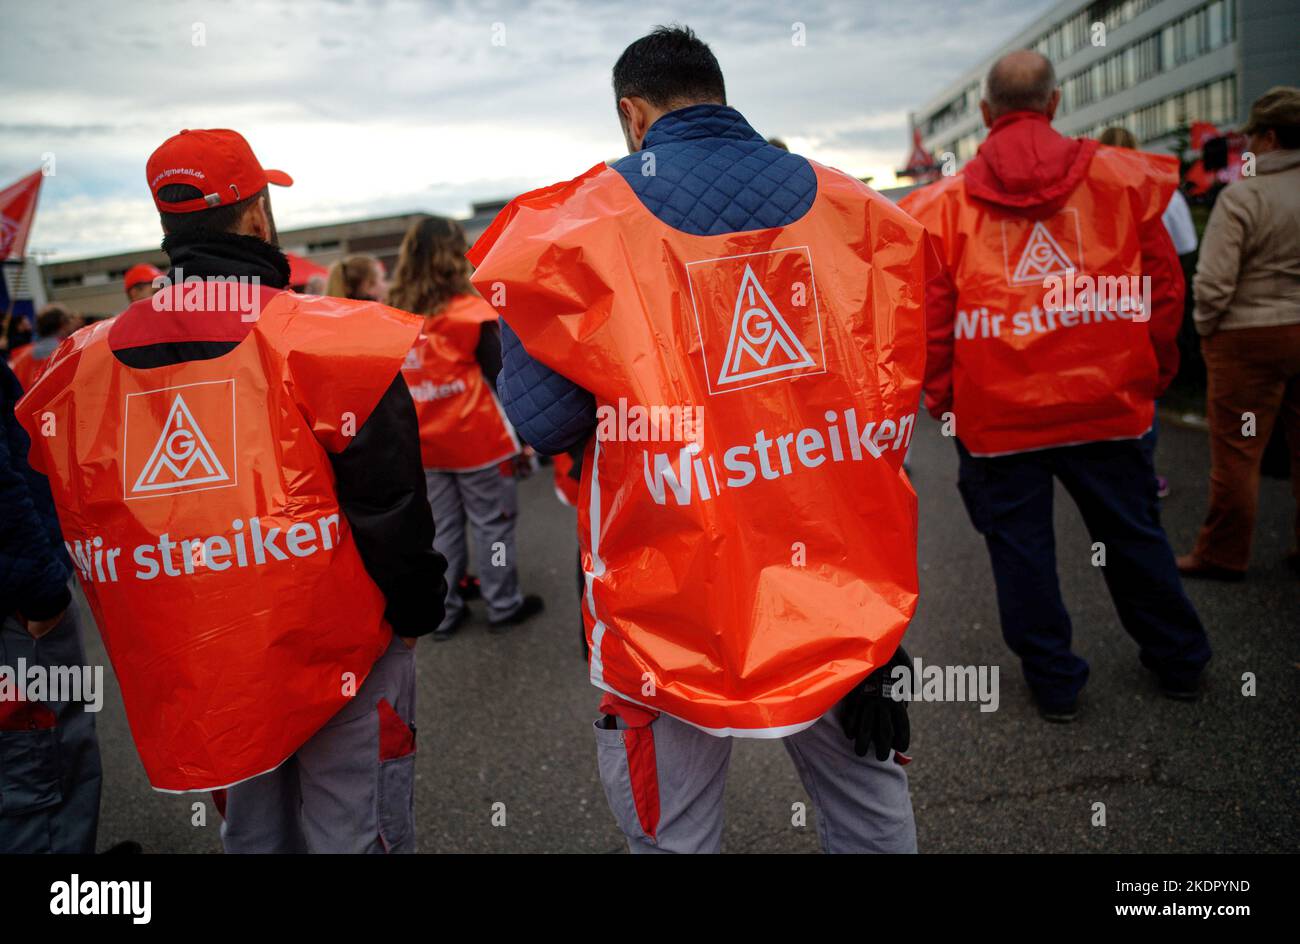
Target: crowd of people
{"type": "Point", "coordinates": [269, 498]}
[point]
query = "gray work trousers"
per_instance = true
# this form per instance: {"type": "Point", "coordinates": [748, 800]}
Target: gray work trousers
{"type": "Point", "coordinates": [666, 790]}
{"type": "Point", "coordinates": [490, 501]}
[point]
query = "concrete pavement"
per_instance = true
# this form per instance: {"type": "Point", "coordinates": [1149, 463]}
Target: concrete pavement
{"type": "Point", "coordinates": [506, 719]}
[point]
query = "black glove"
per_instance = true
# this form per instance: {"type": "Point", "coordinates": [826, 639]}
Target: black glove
{"type": "Point", "coordinates": [870, 716]}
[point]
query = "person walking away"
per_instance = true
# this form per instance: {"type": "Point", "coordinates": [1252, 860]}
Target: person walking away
{"type": "Point", "coordinates": [50, 775]}
{"type": "Point", "coordinates": [750, 559]}
{"type": "Point", "coordinates": [1037, 387]}
{"type": "Point", "coordinates": [236, 470]}
{"type": "Point", "coordinates": [1248, 315]}
{"type": "Point", "coordinates": [465, 438]}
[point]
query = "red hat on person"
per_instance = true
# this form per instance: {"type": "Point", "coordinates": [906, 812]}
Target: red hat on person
{"type": "Point", "coordinates": [142, 272]}
{"type": "Point", "coordinates": [218, 162]}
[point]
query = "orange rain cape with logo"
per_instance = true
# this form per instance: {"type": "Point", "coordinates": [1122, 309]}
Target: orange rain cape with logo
{"type": "Point", "coordinates": [1026, 372]}
{"type": "Point", "coordinates": [462, 425]}
{"type": "Point", "coordinates": [752, 556]}
{"type": "Point", "coordinates": [198, 504]}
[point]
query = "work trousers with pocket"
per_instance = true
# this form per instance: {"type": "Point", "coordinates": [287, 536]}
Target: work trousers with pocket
{"type": "Point", "coordinates": [350, 788]}
{"type": "Point", "coordinates": [664, 780]}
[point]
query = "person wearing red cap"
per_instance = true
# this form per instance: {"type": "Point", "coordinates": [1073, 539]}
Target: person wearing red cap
{"type": "Point", "coordinates": [237, 473]}
{"type": "Point", "coordinates": [139, 281]}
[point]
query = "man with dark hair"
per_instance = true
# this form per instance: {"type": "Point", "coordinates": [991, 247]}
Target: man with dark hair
{"type": "Point", "coordinates": [670, 67]}
{"type": "Point", "coordinates": [679, 282]}
{"type": "Point", "coordinates": [254, 461]}
{"type": "Point", "coordinates": [1053, 327]}
{"type": "Point", "coordinates": [53, 324]}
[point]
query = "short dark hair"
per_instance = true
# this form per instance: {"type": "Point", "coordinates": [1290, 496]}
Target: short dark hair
{"type": "Point", "coordinates": [670, 67]}
{"type": "Point", "coordinates": [219, 219]}
{"type": "Point", "coordinates": [51, 319]}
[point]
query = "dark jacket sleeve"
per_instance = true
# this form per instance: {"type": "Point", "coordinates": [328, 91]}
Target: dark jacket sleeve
{"type": "Point", "coordinates": [381, 490]}
{"type": "Point", "coordinates": [488, 352]}
{"type": "Point", "coordinates": [33, 571]}
{"type": "Point", "coordinates": [550, 412]}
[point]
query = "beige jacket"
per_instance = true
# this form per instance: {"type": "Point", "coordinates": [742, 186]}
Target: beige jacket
{"type": "Point", "coordinates": [1248, 274]}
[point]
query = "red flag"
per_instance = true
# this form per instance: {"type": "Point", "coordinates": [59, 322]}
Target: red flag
{"type": "Point", "coordinates": [300, 270]}
{"type": "Point", "coordinates": [17, 209]}
{"type": "Point", "coordinates": [1201, 132]}
{"type": "Point", "coordinates": [921, 165]}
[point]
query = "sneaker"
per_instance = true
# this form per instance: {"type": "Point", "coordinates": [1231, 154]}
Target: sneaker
{"type": "Point", "coordinates": [1162, 487]}
{"type": "Point", "coordinates": [1189, 565]}
{"type": "Point", "coordinates": [531, 606]}
{"type": "Point", "coordinates": [443, 633]}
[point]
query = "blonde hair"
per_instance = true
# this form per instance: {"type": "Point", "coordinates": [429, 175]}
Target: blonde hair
{"type": "Point", "coordinates": [431, 267]}
{"type": "Point", "coordinates": [1119, 137]}
{"type": "Point", "coordinates": [348, 276]}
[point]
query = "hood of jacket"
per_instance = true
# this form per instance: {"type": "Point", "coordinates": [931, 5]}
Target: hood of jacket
{"type": "Point", "coordinates": [1026, 165]}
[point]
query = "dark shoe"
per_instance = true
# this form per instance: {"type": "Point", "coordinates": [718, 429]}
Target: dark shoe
{"type": "Point", "coordinates": [126, 847]}
{"type": "Point", "coordinates": [1059, 712]}
{"type": "Point", "coordinates": [1179, 687]}
{"type": "Point", "coordinates": [531, 606]}
{"type": "Point", "coordinates": [1189, 565]}
{"type": "Point", "coordinates": [1179, 690]}
{"type": "Point", "coordinates": [443, 634]}
{"type": "Point", "coordinates": [469, 588]}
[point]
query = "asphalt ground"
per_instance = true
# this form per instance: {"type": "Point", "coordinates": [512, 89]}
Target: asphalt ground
{"type": "Point", "coordinates": [507, 719]}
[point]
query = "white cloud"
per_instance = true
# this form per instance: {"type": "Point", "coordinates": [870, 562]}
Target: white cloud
{"type": "Point", "coordinates": [380, 107]}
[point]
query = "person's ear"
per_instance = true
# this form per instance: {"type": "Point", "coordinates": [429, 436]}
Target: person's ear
{"type": "Point", "coordinates": [634, 115]}
{"type": "Point", "coordinates": [1053, 103]}
{"type": "Point", "coordinates": [256, 221]}
{"type": "Point", "coordinates": [987, 113]}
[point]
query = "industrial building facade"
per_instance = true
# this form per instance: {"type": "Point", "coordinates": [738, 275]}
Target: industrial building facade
{"type": "Point", "coordinates": [93, 287]}
{"type": "Point", "coordinates": [1152, 66]}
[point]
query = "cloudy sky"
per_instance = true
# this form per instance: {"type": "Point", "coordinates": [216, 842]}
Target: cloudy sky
{"type": "Point", "coordinates": [388, 106]}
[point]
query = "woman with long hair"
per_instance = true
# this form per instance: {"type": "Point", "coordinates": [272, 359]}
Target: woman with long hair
{"type": "Point", "coordinates": [359, 276]}
{"type": "Point", "coordinates": [470, 452]}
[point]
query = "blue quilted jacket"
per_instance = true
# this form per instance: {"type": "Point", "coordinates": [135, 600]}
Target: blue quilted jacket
{"type": "Point", "coordinates": [714, 174]}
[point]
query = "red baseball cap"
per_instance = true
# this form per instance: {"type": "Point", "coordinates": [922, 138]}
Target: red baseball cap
{"type": "Point", "coordinates": [217, 161]}
{"type": "Point", "coordinates": [143, 272]}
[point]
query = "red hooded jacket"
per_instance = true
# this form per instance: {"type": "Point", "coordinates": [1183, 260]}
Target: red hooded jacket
{"type": "Point", "coordinates": [1028, 170]}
